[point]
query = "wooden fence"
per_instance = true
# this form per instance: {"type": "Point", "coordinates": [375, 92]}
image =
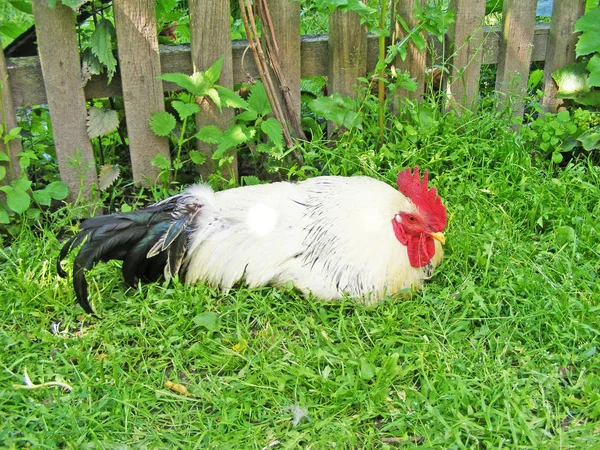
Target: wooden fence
{"type": "Point", "coordinates": [346, 53]}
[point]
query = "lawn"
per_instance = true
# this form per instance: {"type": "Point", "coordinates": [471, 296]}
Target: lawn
{"type": "Point", "coordinates": [500, 350]}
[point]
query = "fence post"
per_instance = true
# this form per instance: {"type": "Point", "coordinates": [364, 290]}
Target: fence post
{"type": "Point", "coordinates": [415, 60]}
{"type": "Point", "coordinates": [8, 119]}
{"type": "Point", "coordinates": [59, 58]}
{"type": "Point", "coordinates": [210, 38]}
{"type": "Point", "coordinates": [514, 59]}
{"type": "Point", "coordinates": [285, 16]}
{"type": "Point", "coordinates": [139, 63]}
{"type": "Point", "coordinates": [347, 54]}
{"type": "Point", "coordinates": [561, 46]}
{"type": "Point", "coordinates": [466, 41]}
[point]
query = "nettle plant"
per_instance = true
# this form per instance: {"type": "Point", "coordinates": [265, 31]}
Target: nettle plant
{"type": "Point", "coordinates": [21, 197]}
{"type": "Point", "coordinates": [252, 127]}
{"type": "Point", "coordinates": [580, 82]}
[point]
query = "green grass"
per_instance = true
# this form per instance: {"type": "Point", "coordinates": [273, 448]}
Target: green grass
{"type": "Point", "coordinates": [499, 351]}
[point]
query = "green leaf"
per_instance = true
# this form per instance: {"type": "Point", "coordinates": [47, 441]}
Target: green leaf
{"type": "Point", "coordinates": [212, 74]}
{"type": "Point", "coordinates": [22, 6]}
{"type": "Point", "coordinates": [209, 320]}
{"type": "Point", "coordinates": [210, 133]}
{"type": "Point", "coordinates": [563, 116]}
{"type": "Point", "coordinates": [196, 157]}
{"type": "Point", "coordinates": [21, 183]}
{"type": "Point", "coordinates": [250, 180]}
{"type": "Point", "coordinates": [571, 79]}
{"type": "Point", "coordinates": [557, 157]}
{"type": "Point", "coordinates": [185, 109]}
{"type": "Point", "coordinates": [234, 135]}
{"type": "Point", "coordinates": [564, 235]}
{"type": "Point", "coordinates": [101, 121]}
{"type": "Point", "coordinates": [230, 98]}
{"type": "Point", "coordinates": [590, 139]}
{"type": "Point", "coordinates": [338, 109]}
{"type": "Point", "coordinates": [247, 116]}
{"type": "Point", "coordinates": [214, 96]}
{"type": "Point", "coordinates": [162, 123]}
{"type": "Point", "coordinates": [183, 81]}
{"type": "Point", "coordinates": [2, 172]}
{"type": "Point", "coordinates": [90, 65]}
{"type": "Point", "coordinates": [161, 162]}
{"type": "Point", "coordinates": [593, 67]}
{"type": "Point", "coordinates": [42, 197]}
{"type": "Point", "coordinates": [272, 128]}
{"type": "Point", "coordinates": [4, 156]}
{"type": "Point", "coordinates": [109, 173]}
{"type": "Point", "coordinates": [258, 100]}
{"type": "Point", "coordinates": [24, 162]}
{"type": "Point", "coordinates": [57, 190]}
{"type": "Point", "coordinates": [367, 370]}
{"type": "Point", "coordinates": [18, 200]}
{"type": "Point", "coordinates": [4, 218]}
{"type": "Point", "coordinates": [101, 45]}
{"type": "Point", "coordinates": [589, 26]}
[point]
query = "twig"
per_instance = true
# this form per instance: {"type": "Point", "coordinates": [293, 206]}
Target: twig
{"type": "Point", "coordinates": [261, 64]}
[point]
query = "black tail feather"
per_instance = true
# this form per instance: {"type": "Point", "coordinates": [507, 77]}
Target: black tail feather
{"type": "Point", "coordinates": [150, 242]}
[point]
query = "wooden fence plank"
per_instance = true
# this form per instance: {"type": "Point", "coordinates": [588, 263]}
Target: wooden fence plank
{"type": "Point", "coordinates": [8, 120]}
{"type": "Point", "coordinates": [285, 16]}
{"type": "Point", "coordinates": [466, 42]}
{"type": "Point", "coordinates": [514, 60]}
{"type": "Point", "coordinates": [59, 58]}
{"type": "Point", "coordinates": [415, 60]}
{"type": "Point", "coordinates": [139, 64]}
{"type": "Point", "coordinates": [210, 40]}
{"type": "Point", "coordinates": [561, 46]}
{"type": "Point", "coordinates": [347, 54]}
{"type": "Point", "coordinates": [27, 83]}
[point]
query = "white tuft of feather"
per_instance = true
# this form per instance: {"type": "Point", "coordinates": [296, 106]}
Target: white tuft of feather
{"type": "Point", "coordinates": [203, 193]}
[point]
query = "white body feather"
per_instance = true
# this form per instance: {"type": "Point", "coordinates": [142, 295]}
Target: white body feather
{"type": "Point", "coordinates": [329, 236]}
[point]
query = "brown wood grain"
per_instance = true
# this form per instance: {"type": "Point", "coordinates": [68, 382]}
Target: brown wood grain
{"type": "Point", "coordinates": [139, 65]}
{"type": "Point", "coordinates": [59, 59]}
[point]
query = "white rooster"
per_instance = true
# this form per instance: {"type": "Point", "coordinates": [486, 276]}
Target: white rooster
{"type": "Point", "coordinates": [328, 236]}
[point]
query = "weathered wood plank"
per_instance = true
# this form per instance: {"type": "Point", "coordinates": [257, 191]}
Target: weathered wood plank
{"type": "Point", "coordinates": [27, 83]}
{"type": "Point", "coordinates": [210, 40]}
{"type": "Point", "coordinates": [59, 58]}
{"type": "Point", "coordinates": [347, 54]}
{"type": "Point", "coordinates": [514, 59]}
{"type": "Point", "coordinates": [285, 16]}
{"type": "Point", "coordinates": [139, 64]}
{"type": "Point", "coordinates": [8, 120]}
{"type": "Point", "coordinates": [561, 46]}
{"type": "Point", "coordinates": [466, 42]}
{"type": "Point", "coordinates": [415, 59]}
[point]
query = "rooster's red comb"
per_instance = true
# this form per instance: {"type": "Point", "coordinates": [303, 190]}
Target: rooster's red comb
{"type": "Point", "coordinates": [427, 200]}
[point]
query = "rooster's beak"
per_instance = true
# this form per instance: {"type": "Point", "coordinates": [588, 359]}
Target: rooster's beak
{"type": "Point", "coordinates": [439, 236]}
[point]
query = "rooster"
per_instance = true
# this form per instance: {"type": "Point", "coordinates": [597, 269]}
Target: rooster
{"type": "Point", "coordinates": [327, 236]}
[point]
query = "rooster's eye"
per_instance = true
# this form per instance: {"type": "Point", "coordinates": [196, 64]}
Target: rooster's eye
{"type": "Point", "coordinates": [411, 218]}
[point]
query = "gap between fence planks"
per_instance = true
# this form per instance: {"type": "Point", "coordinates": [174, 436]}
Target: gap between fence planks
{"type": "Point", "coordinates": [139, 64]}
{"type": "Point", "coordinates": [210, 37]}
{"type": "Point", "coordinates": [561, 46]}
{"type": "Point", "coordinates": [59, 58]}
